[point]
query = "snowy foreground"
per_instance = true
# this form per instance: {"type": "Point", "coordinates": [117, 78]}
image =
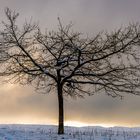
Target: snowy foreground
{"type": "Point", "coordinates": [42, 132]}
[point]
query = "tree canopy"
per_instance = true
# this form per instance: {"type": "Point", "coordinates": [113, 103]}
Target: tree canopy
{"type": "Point", "coordinates": [64, 60]}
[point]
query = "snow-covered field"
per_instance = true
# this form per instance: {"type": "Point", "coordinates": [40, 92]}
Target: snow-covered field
{"type": "Point", "coordinates": [42, 132]}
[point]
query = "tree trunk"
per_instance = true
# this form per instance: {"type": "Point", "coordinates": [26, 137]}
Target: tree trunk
{"type": "Point", "coordinates": [61, 111]}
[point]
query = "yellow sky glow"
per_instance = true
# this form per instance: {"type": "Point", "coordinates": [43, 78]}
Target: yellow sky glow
{"type": "Point", "coordinates": [22, 105]}
{"type": "Point", "coordinates": [81, 124]}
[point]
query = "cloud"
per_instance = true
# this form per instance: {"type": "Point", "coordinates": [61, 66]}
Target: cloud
{"type": "Point", "coordinates": [22, 104]}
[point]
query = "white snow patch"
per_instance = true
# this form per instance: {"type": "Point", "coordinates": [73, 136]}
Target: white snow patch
{"type": "Point", "coordinates": [44, 132]}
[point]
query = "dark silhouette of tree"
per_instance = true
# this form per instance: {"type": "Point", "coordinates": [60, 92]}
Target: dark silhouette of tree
{"type": "Point", "coordinates": [69, 64]}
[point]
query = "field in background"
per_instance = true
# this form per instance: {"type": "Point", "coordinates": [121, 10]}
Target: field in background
{"type": "Point", "coordinates": [44, 132]}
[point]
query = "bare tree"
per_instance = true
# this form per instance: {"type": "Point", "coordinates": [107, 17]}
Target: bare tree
{"type": "Point", "coordinates": [69, 64]}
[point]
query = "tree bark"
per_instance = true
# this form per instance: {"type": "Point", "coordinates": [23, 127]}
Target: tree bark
{"type": "Point", "coordinates": [61, 110]}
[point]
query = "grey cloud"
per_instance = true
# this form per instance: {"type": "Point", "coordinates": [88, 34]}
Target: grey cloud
{"type": "Point", "coordinates": [89, 17]}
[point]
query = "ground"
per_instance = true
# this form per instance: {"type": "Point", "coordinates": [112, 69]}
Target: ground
{"type": "Point", "coordinates": [44, 132]}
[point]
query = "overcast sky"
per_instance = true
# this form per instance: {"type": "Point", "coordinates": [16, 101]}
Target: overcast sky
{"type": "Point", "coordinates": [23, 105]}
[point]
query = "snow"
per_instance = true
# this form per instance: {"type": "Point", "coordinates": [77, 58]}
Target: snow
{"type": "Point", "coordinates": [45, 132]}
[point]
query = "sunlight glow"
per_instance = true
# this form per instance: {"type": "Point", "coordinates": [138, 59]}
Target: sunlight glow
{"type": "Point", "coordinates": [74, 123]}
{"type": "Point", "coordinates": [80, 124]}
